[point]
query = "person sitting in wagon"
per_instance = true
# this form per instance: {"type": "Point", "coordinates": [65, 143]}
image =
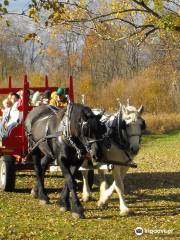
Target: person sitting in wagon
{"type": "Point", "coordinates": [61, 97]}
{"type": "Point", "coordinates": [54, 99]}
{"type": "Point", "coordinates": [7, 104]}
{"type": "Point", "coordinates": [12, 119]}
{"type": "Point", "coordinates": [58, 98]}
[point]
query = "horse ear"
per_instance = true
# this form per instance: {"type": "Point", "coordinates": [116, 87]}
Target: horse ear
{"type": "Point", "coordinates": [141, 109]}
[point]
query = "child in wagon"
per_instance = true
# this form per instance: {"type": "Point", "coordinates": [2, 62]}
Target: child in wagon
{"type": "Point", "coordinates": [58, 98]}
{"type": "Point", "coordinates": [61, 97]}
{"type": "Point", "coordinates": [12, 117]}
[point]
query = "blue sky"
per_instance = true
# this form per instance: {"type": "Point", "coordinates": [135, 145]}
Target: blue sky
{"type": "Point", "coordinates": [18, 5]}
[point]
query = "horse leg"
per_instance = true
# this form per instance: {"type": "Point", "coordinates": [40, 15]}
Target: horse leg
{"type": "Point", "coordinates": [40, 179]}
{"type": "Point", "coordinates": [103, 181]}
{"type": "Point", "coordinates": [105, 192]}
{"type": "Point", "coordinates": [86, 189]}
{"type": "Point", "coordinates": [119, 173]}
{"type": "Point", "coordinates": [104, 197]}
{"type": "Point", "coordinates": [64, 200]}
{"type": "Point", "coordinates": [77, 208]}
{"type": "Point", "coordinates": [44, 165]}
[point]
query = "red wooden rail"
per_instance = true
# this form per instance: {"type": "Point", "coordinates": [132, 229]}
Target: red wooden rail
{"type": "Point", "coordinates": [7, 90]}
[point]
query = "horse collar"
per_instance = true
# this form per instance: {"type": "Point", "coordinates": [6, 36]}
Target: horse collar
{"type": "Point", "coordinates": [65, 128]}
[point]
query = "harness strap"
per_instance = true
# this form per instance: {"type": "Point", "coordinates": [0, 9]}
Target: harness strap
{"type": "Point", "coordinates": [127, 164]}
{"type": "Point", "coordinates": [46, 137]}
{"type": "Point", "coordinates": [53, 109]}
{"type": "Point", "coordinates": [57, 134]}
{"type": "Point", "coordinates": [67, 133]}
{"type": "Point", "coordinates": [123, 143]}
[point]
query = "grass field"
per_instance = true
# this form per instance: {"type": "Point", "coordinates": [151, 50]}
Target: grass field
{"type": "Point", "coordinates": [152, 191]}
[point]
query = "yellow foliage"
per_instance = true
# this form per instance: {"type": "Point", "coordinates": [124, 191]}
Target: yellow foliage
{"type": "Point", "coordinates": [36, 79]}
{"type": "Point", "coordinates": [151, 87]}
{"type": "Point", "coordinates": [163, 122]}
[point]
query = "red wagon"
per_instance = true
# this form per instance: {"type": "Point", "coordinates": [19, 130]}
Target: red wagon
{"type": "Point", "coordinates": [14, 148]}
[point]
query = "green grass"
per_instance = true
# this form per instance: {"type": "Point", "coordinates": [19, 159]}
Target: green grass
{"type": "Point", "coordinates": [152, 191]}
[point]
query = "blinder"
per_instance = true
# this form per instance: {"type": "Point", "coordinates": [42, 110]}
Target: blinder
{"type": "Point", "coordinates": [118, 131]}
{"type": "Point", "coordinates": [86, 135]}
{"type": "Point", "coordinates": [143, 125]}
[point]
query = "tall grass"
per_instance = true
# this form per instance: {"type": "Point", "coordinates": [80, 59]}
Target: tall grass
{"type": "Point", "coordinates": [151, 87]}
{"type": "Point", "coordinates": [162, 123]}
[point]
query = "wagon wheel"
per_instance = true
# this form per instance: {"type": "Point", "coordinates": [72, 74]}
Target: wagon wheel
{"type": "Point", "coordinates": [7, 173]}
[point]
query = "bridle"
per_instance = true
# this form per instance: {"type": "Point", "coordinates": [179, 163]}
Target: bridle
{"type": "Point", "coordinates": [119, 133]}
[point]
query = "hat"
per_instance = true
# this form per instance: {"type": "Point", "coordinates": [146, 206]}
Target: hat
{"type": "Point", "coordinates": [60, 91]}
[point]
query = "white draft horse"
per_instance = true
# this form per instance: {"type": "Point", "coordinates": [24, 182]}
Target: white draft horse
{"type": "Point", "coordinates": [124, 129]}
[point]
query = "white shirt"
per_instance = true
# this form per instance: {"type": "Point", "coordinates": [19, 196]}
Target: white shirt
{"type": "Point", "coordinates": [15, 115]}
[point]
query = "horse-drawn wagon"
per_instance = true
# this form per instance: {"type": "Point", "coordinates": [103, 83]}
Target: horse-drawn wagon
{"type": "Point", "coordinates": [14, 149]}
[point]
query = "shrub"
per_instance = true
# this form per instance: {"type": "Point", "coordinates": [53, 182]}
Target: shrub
{"type": "Point", "coordinates": [162, 123]}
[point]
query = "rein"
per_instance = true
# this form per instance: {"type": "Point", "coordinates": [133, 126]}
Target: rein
{"type": "Point", "coordinates": [87, 141]}
{"type": "Point", "coordinates": [125, 164]}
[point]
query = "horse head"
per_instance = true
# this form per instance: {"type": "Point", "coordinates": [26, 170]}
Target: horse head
{"type": "Point", "coordinates": [90, 131]}
{"type": "Point", "coordinates": [130, 125]}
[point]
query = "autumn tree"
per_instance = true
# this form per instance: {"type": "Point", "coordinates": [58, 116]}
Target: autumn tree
{"type": "Point", "coordinates": [143, 17]}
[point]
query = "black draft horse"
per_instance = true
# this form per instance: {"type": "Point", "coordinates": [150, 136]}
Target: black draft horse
{"type": "Point", "coordinates": [66, 135]}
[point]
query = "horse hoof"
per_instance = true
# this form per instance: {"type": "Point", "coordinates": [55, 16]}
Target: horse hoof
{"type": "Point", "coordinates": [44, 202]}
{"type": "Point", "coordinates": [34, 193]}
{"type": "Point", "coordinates": [127, 212]}
{"type": "Point", "coordinates": [63, 209]}
{"type": "Point", "coordinates": [77, 215]}
{"type": "Point", "coordinates": [85, 199]}
{"type": "Point", "coordinates": [102, 205]}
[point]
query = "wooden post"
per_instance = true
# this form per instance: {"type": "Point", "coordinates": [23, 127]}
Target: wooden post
{"type": "Point", "coordinates": [46, 81]}
{"type": "Point", "coordinates": [10, 82]}
{"type": "Point", "coordinates": [25, 100]}
{"type": "Point", "coordinates": [25, 97]}
{"type": "Point", "coordinates": [71, 89]}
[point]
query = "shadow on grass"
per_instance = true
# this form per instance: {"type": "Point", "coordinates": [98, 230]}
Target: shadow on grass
{"type": "Point", "coordinates": [32, 174]}
{"type": "Point", "coordinates": [150, 181]}
{"type": "Point", "coordinates": [28, 190]}
{"type": "Point", "coordinates": [133, 181]}
{"type": "Point", "coordinates": [145, 198]}
{"type": "Point", "coordinates": [153, 180]}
